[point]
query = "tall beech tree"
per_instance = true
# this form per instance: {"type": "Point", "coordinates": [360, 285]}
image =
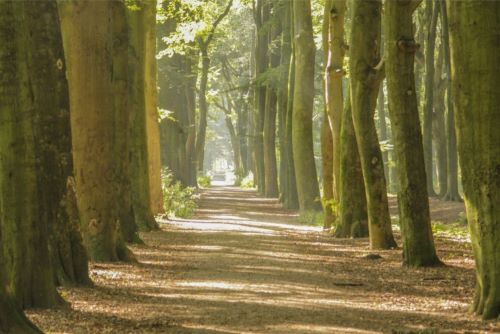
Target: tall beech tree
{"type": "Point", "coordinates": [451, 136]}
{"type": "Point", "coordinates": [414, 216]}
{"type": "Point", "coordinates": [303, 98]}
{"type": "Point", "coordinates": [353, 219]}
{"type": "Point", "coordinates": [139, 18]}
{"type": "Point", "coordinates": [87, 29]}
{"type": "Point", "coordinates": [269, 133]}
{"type": "Point", "coordinates": [366, 75]}
{"type": "Point", "coordinates": [431, 14]}
{"type": "Point", "coordinates": [474, 27]}
{"type": "Point", "coordinates": [204, 44]}
{"type": "Point", "coordinates": [34, 160]}
{"type": "Point", "coordinates": [261, 17]}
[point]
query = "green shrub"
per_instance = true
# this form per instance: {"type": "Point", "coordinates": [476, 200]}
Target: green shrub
{"type": "Point", "coordinates": [178, 201]}
{"type": "Point", "coordinates": [314, 218]}
{"type": "Point", "coordinates": [247, 182]}
{"type": "Point", "coordinates": [204, 181]}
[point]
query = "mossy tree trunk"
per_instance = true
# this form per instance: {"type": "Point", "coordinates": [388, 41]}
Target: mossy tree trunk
{"type": "Point", "coordinates": [333, 83]}
{"type": "Point", "coordinates": [451, 136]}
{"type": "Point", "coordinates": [414, 216]}
{"type": "Point", "coordinates": [474, 27]}
{"type": "Point", "coordinates": [122, 121]}
{"type": "Point", "coordinates": [87, 29]}
{"type": "Point", "coordinates": [366, 76]}
{"type": "Point", "coordinates": [269, 135]}
{"type": "Point", "coordinates": [140, 167]}
{"type": "Point", "coordinates": [67, 253]}
{"type": "Point", "coordinates": [287, 183]}
{"type": "Point", "coordinates": [326, 135]}
{"type": "Point", "coordinates": [431, 13]}
{"type": "Point", "coordinates": [261, 17]}
{"type": "Point", "coordinates": [353, 219]}
{"type": "Point", "coordinates": [303, 98]}
{"type": "Point", "coordinates": [151, 100]}
{"type": "Point", "coordinates": [30, 196]}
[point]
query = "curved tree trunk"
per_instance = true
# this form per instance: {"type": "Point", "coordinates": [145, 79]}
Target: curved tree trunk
{"type": "Point", "coordinates": [203, 116]}
{"type": "Point", "coordinates": [414, 216]}
{"type": "Point", "coordinates": [303, 97]}
{"type": "Point", "coordinates": [476, 79]}
{"type": "Point", "coordinates": [366, 76]}
{"type": "Point", "coordinates": [87, 29]}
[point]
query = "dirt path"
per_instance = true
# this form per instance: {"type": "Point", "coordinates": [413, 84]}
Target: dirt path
{"type": "Point", "coordinates": [243, 265]}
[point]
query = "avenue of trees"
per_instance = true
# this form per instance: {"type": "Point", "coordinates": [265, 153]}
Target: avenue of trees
{"type": "Point", "coordinates": [328, 104]}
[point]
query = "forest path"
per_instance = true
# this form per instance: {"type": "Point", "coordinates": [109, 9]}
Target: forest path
{"type": "Point", "coordinates": [244, 265]}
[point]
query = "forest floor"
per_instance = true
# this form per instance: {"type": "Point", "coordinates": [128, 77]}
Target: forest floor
{"type": "Point", "coordinates": [245, 265]}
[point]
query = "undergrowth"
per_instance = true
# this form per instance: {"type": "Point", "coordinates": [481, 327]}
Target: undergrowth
{"type": "Point", "coordinates": [178, 201]}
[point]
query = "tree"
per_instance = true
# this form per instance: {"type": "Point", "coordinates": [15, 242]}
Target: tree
{"type": "Point", "coordinates": [366, 76]}
{"type": "Point", "coordinates": [353, 220]}
{"type": "Point", "coordinates": [326, 133]}
{"type": "Point", "coordinates": [87, 29]}
{"type": "Point", "coordinates": [203, 44]}
{"type": "Point", "coordinates": [141, 167]}
{"type": "Point", "coordinates": [474, 27]}
{"type": "Point", "coordinates": [34, 160]}
{"type": "Point", "coordinates": [302, 141]}
{"type": "Point", "coordinates": [431, 11]}
{"type": "Point", "coordinates": [269, 133]}
{"type": "Point", "coordinates": [261, 18]}
{"type": "Point", "coordinates": [451, 136]}
{"type": "Point", "coordinates": [414, 216]}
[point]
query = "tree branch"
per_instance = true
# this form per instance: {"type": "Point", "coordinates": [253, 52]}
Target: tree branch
{"type": "Point", "coordinates": [217, 22]}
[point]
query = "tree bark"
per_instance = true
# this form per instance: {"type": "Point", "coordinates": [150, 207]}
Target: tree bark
{"type": "Point", "coordinates": [303, 153]}
{"type": "Point", "coordinates": [326, 134]}
{"type": "Point", "coordinates": [414, 216]}
{"type": "Point", "coordinates": [140, 166]}
{"type": "Point", "coordinates": [366, 76]}
{"type": "Point", "coordinates": [87, 29]}
{"type": "Point", "coordinates": [353, 219]}
{"type": "Point", "coordinates": [431, 14]}
{"type": "Point", "coordinates": [451, 136]}
{"type": "Point", "coordinates": [30, 192]}
{"type": "Point", "coordinates": [474, 27]}
{"type": "Point", "coordinates": [151, 100]}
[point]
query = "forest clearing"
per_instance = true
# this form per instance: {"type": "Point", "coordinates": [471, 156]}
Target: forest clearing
{"type": "Point", "coordinates": [249, 166]}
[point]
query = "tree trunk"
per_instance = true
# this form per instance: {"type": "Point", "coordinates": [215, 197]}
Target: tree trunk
{"type": "Point", "coordinates": [87, 29]}
{"type": "Point", "coordinates": [414, 216]}
{"type": "Point", "coordinates": [383, 130]}
{"type": "Point", "coordinates": [333, 84]}
{"type": "Point", "coordinates": [432, 15]}
{"type": "Point", "coordinates": [203, 104]}
{"type": "Point", "coordinates": [326, 134]}
{"type": "Point", "coordinates": [141, 195]}
{"type": "Point", "coordinates": [451, 136]}
{"type": "Point", "coordinates": [366, 77]}
{"type": "Point", "coordinates": [353, 220]}
{"type": "Point", "coordinates": [439, 127]}
{"type": "Point", "coordinates": [476, 79]}
{"type": "Point", "coordinates": [152, 125]}
{"type": "Point", "coordinates": [32, 156]}
{"type": "Point", "coordinates": [303, 98]}
{"type": "Point", "coordinates": [261, 61]}
{"type": "Point", "coordinates": [270, 164]}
